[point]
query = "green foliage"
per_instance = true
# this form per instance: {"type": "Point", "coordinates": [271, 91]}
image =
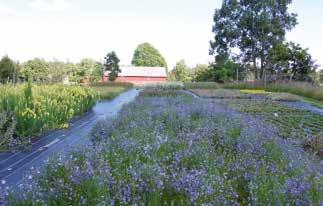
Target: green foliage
{"type": "Point", "coordinates": [37, 108]}
{"type": "Point", "coordinates": [293, 61]}
{"type": "Point", "coordinates": [215, 73]}
{"type": "Point", "coordinates": [180, 73]}
{"type": "Point", "coordinates": [224, 70]}
{"type": "Point", "coordinates": [112, 65]}
{"type": "Point", "coordinates": [36, 70]}
{"type": "Point", "coordinates": [148, 56]}
{"type": "Point", "coordinates": [253, 27]}
{"type": "Point", "coordinates": [109, 90]}
{"type": "Point", "coordinates": [8, 70]}
{"type": "Point", "coordinates": [91, 68]}
{"type": "Point", "coordinates": [58, 71]}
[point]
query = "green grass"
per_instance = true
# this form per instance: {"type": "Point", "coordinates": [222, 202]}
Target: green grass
{"type": "Point", "coordinates": [300, 89]}
{"type": "Point", "coordinates": [253, 91]}
{"type": "Point", "coordinates": [201, 85]}
{"type": "Point", "coordinates": [110, 90]}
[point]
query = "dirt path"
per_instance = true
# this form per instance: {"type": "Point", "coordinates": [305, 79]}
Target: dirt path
{"type": "Point", "coordinates": [14, 165]}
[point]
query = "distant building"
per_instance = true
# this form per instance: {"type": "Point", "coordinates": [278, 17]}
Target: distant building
{"type": "Point", "coordinates": [139, 75]}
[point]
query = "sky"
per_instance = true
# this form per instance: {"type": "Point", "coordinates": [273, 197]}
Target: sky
{"type": "Point", "coordinates": [69, 30]}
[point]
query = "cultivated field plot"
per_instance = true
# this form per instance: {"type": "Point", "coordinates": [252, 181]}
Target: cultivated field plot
{"type": "Point", "coordinates": [173, 149]}
{"type": "Point", "coordinates": [304, 127]}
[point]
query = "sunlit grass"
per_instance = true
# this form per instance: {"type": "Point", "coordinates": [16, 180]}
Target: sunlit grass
{"type": "Point", "coordinates": [253, 91]}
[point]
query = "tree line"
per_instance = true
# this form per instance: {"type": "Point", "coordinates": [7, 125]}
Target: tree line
{"type": "Point", "coordinates": [40, 70]}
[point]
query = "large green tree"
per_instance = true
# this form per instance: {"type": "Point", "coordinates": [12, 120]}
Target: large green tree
{"type": "Point", "coordinates": [36, 70]}
{"type": "Point", "coordinates": [91, 68]}
{"type": "Point", "coordinates": [111, 64]}
{"type": "Point", "coordinates": [251, 28]}
{"type": "Point", "coordinates": [291, 60]}
{"type": "Point", "coordinates": [8, 70]}
{"type": "Point", "coordinates": [181, 72]}
{"type": "Point", "coordinates": [148, 56]}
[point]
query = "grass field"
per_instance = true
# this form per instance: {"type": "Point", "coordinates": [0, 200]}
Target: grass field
{"type": "Point", "coordinates": [169, 148]}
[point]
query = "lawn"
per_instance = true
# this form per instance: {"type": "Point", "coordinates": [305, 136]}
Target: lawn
{"type": "Point", "coordinates": [169, 148]}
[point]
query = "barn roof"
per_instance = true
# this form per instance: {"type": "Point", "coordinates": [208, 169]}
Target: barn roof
{"type": "Point", "coordinates": [132, 71]}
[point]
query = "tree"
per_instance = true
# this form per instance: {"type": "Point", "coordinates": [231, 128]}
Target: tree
{"type": "Point", "coordinates": [146, 55]}
{"type": "Point", "coordinates": [181, 72]}
{"type": "Point", "coordinates": [36, 70]}
{"type": "Point", "coordinates": [292, 60]}
{"type": "Point", "coordinates": [251, 27]}
{"type": "Point", "coordinates": [111, 64]}
{"type": "Point", "coordinates": [212, 74]}
{"type": "Point", "coordinates": [8, 70]}
{"type": "Point", "coordinates": [198, 71]}
{"type": "Point", "coordinates": [58, 70]}
{"type": "Point", "coordinates": [91, 68]}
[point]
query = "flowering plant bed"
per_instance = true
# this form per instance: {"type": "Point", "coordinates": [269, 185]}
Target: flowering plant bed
{"type": "Point", "coordinates": [179, 150]}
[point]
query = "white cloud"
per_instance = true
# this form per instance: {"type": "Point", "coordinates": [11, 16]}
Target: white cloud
{"type": "Point", "coordinates": [50, 5]}
{"type": "Point", "coordinates": [6, 10]}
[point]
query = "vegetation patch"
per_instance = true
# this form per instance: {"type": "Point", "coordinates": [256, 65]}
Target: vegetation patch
{"type": "Point", "coordinates": [296, 88]}
{"type": "Point", "coordinates": [283, 97]}
{"type": "Point", "coordinates": [150, 92]}
{"type": "Point", "coordinates": [110, 90]}
{"type": "Point", "coordinates": [201, 85]}
{"type": "Point", "coordinates": [179, 150]}
{"type": "Point", "coordinates": [254, 91]}
{"type": "Point", "coordinates": [220, 93]}
{"type": "Point", "coordinates": [300, 125]}
{"type": "Point", "coordinates": [28, 110]}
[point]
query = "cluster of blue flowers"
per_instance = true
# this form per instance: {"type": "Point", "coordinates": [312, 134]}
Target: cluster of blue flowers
{"type": "Point", "coordinates": [179, 151]}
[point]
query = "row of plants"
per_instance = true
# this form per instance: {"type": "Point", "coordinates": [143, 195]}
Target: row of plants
{"type": "Point", "coordinates": [29, 109]}
{"type": "Point", "coordinates": [178, 150]}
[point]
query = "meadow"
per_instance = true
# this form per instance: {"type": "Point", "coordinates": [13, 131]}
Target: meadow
{"type": "Point", "coordinates": [169, 148]}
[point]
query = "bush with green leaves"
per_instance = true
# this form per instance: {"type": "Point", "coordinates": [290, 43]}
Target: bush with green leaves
{"type": "Point", "coordinates": [148, 56]}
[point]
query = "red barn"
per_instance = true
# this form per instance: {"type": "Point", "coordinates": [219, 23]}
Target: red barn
{"type": "Point", "coordinates": [139, 75]}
